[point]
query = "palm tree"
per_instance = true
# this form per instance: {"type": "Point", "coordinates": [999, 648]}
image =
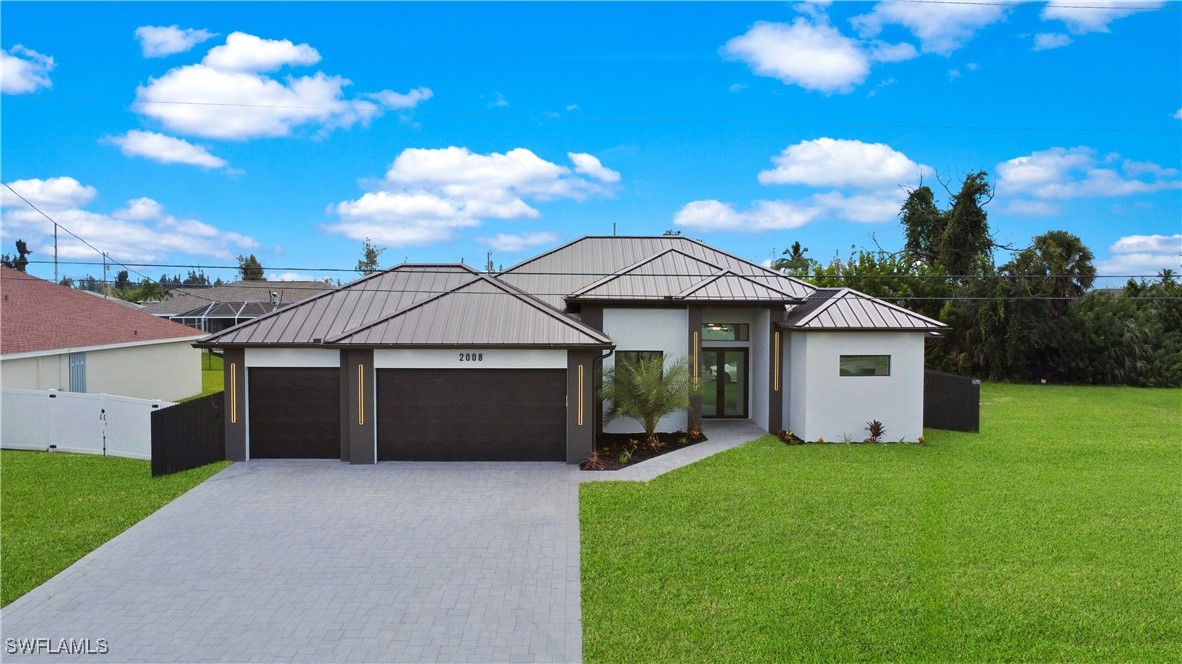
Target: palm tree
{"type": "Point", "coordinates": [647, 389]}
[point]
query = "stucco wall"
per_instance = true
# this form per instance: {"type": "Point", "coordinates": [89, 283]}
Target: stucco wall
{"type": "Point", "coordinates": [647, 329]}
{"type": "Point", "coordinates": [824, 404]}
{"type": "Point", "coordinates": [167, 371]}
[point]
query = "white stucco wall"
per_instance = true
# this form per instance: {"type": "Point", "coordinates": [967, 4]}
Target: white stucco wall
{"type": "Point", "coordinates": [167, 371]}
{"type": "Point", "coordinates": [462, 358]}
{"type": "Point", "coordinates": [824, 404]}
{"type": "Point", "coordinates": [293, 357]}
{"type": "Point", "coordinates": [666, 330]}
{"type": "Point", "coordinates": [795, 345]}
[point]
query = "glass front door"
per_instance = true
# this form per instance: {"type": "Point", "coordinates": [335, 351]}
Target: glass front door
{"type": "Point", "coordinates": [724, 382]}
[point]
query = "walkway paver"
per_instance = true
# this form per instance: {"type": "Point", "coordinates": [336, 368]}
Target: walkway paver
{"type": "Point", "coordinates": [323, 561]}
{"type": "Point", "coordinates": [721, 436]}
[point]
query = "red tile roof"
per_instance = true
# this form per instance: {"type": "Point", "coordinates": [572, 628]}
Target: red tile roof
{"type": "Point", "coordinates": [39, 315]}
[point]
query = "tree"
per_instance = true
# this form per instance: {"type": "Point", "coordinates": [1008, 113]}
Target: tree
{"type": "Point", "coordinates": [795, 262]}
{"type": "Point", "coordinates": [67, 282]}
{"type": "Point", "coordinates": [249, 268]}
{"type": "Point", "coordinates": [122, 281]}
{"type": "Point", "coordinates": [647, 390]}
{"type": "Point", "coordinates": [964, 244]}
{"type": "Point", "coordinates": [20, 261]}
{"type": "Point", "coordinates": [368, 264]}
{"type": "Point", "coordinates": [923, 224]}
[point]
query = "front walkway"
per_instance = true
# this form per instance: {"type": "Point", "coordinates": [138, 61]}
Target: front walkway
{"type": "Point", "coordinates": [721, 435]}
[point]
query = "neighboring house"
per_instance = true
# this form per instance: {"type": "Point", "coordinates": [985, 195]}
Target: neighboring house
{"type": "Point", "coordinates": [441, 362]}
{"type": "Point", "coordinates": [215, 308]}
{"type": "Point", "coordinates": [55, 337]}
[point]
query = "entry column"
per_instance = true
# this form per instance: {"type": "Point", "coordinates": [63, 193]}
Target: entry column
{"type": "Point", "coordinates": [358, 411]}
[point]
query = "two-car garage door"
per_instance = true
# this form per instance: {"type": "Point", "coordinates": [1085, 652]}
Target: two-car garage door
{"type": "Point", "coordinates": [471, 415]}
{"type": "Point", "coordinates": [422, 414]}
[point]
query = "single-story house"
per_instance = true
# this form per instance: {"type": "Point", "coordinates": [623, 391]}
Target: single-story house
{"type": "Point", "coordinates": [215, 308]}
{"type": "Point", "coordinates": [59, 338]}
{"type": "Point", "coordinates": [442, 362]}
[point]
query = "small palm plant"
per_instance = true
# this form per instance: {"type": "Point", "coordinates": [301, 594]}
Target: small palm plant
{"type": "Point", "coordinates": [647, 389]}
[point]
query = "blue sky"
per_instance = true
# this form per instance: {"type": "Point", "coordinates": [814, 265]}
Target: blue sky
{"type": "Point", "coordinates": [190, 133]}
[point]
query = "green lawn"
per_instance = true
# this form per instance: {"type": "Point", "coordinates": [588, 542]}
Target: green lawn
{"type": "Point", "coordinates": [1053, 535]}
{"type": "Point", "coordinates": [58, 507]}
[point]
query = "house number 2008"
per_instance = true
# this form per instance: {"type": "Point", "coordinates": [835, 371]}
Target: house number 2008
{"type": "Point", "coordinates": [471, 357]}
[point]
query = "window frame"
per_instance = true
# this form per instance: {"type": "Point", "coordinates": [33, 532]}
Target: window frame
{"type": "Point", "coordinates": [745, 328]}
{"type": "Point", "coordinates": [842, 373]}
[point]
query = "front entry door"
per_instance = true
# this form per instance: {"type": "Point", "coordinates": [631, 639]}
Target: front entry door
{"type": "Point", "coordinates": [724, 382]}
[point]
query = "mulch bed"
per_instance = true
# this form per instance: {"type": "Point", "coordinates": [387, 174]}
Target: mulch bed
{"type": "Point", "coordinates": [612, 446]}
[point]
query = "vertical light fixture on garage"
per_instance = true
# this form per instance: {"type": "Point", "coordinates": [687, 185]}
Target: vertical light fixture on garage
{"type": "Point", "coordinates": [776, 385]}
{"type": "Point", "coordinates": [580, 395]}
{"type": "Point", "coordinates": [233, 393]}
{"type": "Point", "coordinates": [361, 394]}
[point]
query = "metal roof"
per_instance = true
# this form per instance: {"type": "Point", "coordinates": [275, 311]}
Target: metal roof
{"type": "Point", "coordinates": [847, 309]}
{"type": "Point", "coordinates": [674, 275]}
{"type": "Point", "coordinates": [416, 305]}
{"type": "Point", "coordinates": [187, 298]}
{"type": "Point", "coordinates": [361, 302]}
{"type": "Point", "coordinates": [228, 310]}
{"type": "Point", "coordinates": [583, 262]}
{"type": "Point", "coordinates": [482, 312]}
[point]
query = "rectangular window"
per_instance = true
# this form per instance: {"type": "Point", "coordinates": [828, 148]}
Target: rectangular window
{"type": "Point", "coordinates": [726, 332]}
{"type": "Point", "coordinates": [865, 365]}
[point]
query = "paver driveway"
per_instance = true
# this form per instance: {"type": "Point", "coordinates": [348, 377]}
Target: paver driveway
{"type": "Point", "coordinates": [323, 561]}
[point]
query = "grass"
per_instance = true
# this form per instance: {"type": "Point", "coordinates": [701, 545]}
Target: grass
{"type": "Point", "coordinates": [1053, 535]}
{"type": "Point", "coordinates": [58, 507]}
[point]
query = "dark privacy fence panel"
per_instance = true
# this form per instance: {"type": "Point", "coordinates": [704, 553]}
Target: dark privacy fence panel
{"type": "Point", "coordinates": [188, 435]}
{"type": "Point", "coordinates": [951, 402]}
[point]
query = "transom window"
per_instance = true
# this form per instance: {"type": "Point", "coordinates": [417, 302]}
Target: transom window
{"type": "Point", "coordinates": [726, 332]}
{"type": "Point", "coordinates": [865, 365]}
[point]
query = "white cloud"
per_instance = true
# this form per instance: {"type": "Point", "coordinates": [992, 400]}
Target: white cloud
{"type": "Point", "coordinates": [140, 231]}
{"type": "Point", "coordinates": [572, 107]}
{"type": "Point", "coordinates": [1075, 173]}
{"type": "Point", "coordinates": [398, 101]}
{"type": "Point", "coordinates": [243, 52]}
{"type": "Point", "coordinates": [589, 165]}
{"type": "Point", "coordinates": [1084, 16]}
{"type": "Point", "coordinates": [23, 70]}
{"type": "Point", "coordinates": [164, 149]}
{"type": "Point", "coordinates": [510, 243]}
{"type": "Point", "coordinates": [140, 209]}
{"type": "Point", "coordinates": [290, 276]}
{"type": "Point", "coordinates": [49, 194]}
{"type": "Point", "coordinates": [1046, 41]}
{"type": "Point", "coordinates": [810, 54]}
{"type": "Point", "coordinates": [1142, 254]}
{"type": "Point", "coordinates": [158, 41]}
{"type": "Point", "coordinates": [227, 96]}
{"type": "Point", "coordinates": [884, 52]}
{"type": "Point", "coordinates": [829, 162]}
{"type": "Point", "coordinates": [498, 101]}
{"type": "Point", "coordinates": [712, 215]}
{"type": "Point", "coordinates": [1178, 114]}
{"type": "Point", "coordinates": [736, 87]}
{"type": "Point", "coordinates": [764, 215]}
{"type": "Point", "coordinates": [941, 28]}
{"type": "Point", "coordinates": [429, 194]}
{"type": "Point", "coordinates": [953, 74]}
{"type": "Point", "coordinates": [882, 85]}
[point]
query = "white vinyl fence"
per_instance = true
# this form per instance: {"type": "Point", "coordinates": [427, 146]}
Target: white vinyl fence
{"type": "Point", "coordinates": [77, 422]}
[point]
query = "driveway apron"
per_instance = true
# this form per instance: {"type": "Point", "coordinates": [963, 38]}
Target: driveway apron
{"type": "Point", "coordinates": [294, 560]}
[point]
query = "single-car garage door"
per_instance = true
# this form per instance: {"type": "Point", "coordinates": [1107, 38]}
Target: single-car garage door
{"type": "Point", "coordinates": [471, 415]}
{"type": "Point", "coordinates": [295, 413]}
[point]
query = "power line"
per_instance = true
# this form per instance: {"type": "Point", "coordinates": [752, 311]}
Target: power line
{"type": "Point", "coordinates": [441, 269]}
{"type": "Point", "coordinates": [454, 290]}
{"type": "Point", "coordinates": [646, 119]}
{"type": "Point", "coordinates": [104, 254]}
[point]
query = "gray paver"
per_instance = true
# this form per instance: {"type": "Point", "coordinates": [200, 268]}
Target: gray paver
{"type": "Point", "coordinates": [313, 560]}
{"type": "Point", "coordinates": [324, 561]}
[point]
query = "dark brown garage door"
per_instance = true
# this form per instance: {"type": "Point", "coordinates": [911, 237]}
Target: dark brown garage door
{"type": "Point", "coordinates": [295, 414]}
{"type": "Point", "coordinates": [464, 415]}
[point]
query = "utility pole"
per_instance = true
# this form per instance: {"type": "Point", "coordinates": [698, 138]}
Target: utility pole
{"type": "Point", "coordinates": [55, 252]}
{"type": "Point", "coordinates": [105, 274]}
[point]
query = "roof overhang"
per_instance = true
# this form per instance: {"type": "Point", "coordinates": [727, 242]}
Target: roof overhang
{"type": "Point", "coordinates": [87, 349]}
